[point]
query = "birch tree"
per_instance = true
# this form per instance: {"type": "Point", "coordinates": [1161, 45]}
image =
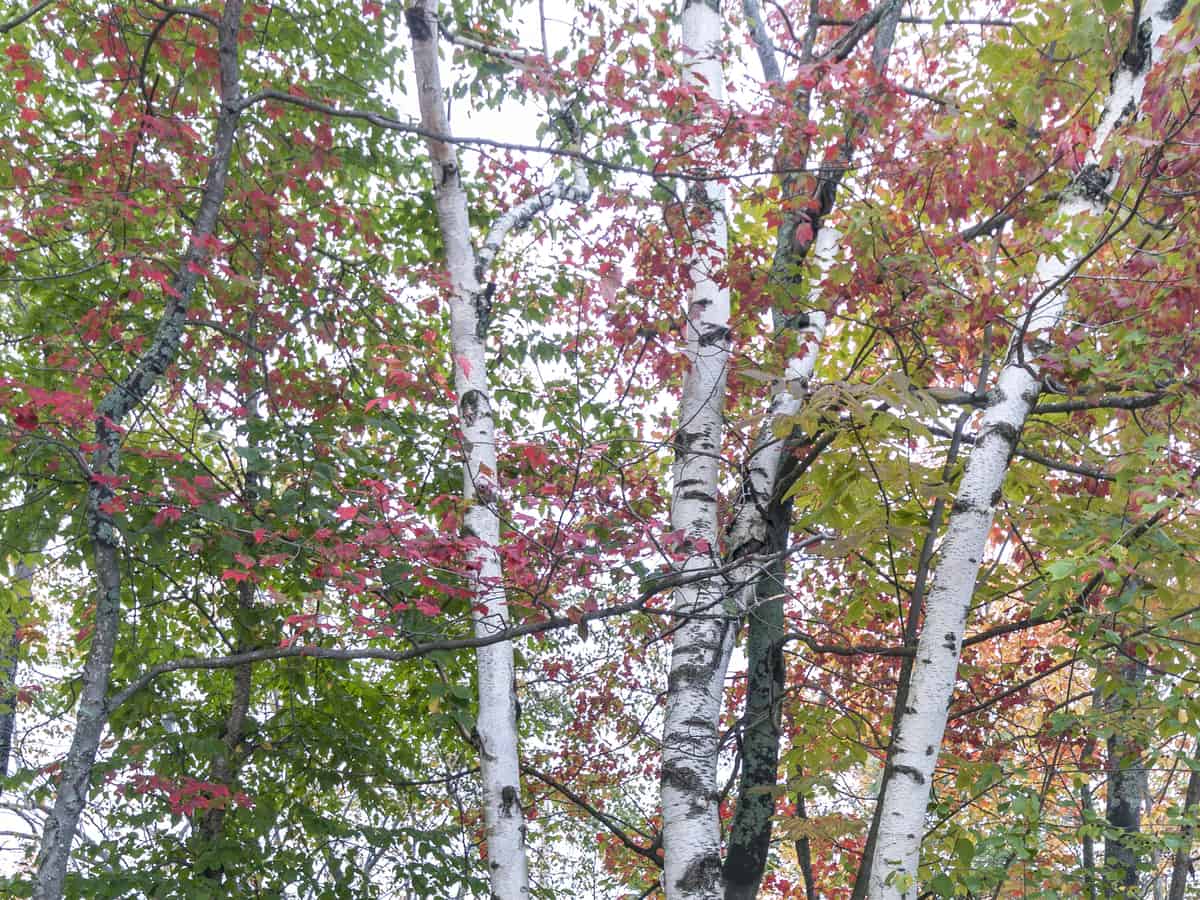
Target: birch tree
{"type": "Point", "coordinates": [496, 727]}
{"type": "Point", "coordinates": [701, 648]}
{"type": "Point", "coordinates": [408, 450]}
{"type": "Point", "coordinates": [922, 723]}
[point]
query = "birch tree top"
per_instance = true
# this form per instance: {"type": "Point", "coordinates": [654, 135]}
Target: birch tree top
{"type": "Point", "coordinates": [599, 449]}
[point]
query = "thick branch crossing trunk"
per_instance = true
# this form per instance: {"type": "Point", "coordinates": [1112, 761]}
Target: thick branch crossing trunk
{"type": "Point", "coordinates": [496, 727]}
{"type": "Point", "coordinates": [700, 653]}
{"type": "Point", "coordinates": [923, 721]}
{"type": "Point", "coordinates": [75, 777]}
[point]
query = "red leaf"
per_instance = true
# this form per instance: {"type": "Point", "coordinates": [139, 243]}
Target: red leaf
{"type": "Point", "coordinates": [26, 417]}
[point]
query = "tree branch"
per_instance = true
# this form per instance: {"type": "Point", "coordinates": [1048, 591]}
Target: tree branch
{"type": "Point", "coordinates": [649, 852]}
{"type": "Point", "coordinates": [24, 17]}
{"type": "Point", "coordinates": [1136, 401]}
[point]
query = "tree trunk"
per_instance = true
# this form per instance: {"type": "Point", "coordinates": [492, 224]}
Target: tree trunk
{"type": "Point", "coordinates": [496, 727]}
{"type": "Point", "coordinates": [757, 524]}
{"type": "Point", "coordinates": [1126, 786]}
{"type": "Point", "coordinates": [1087, 808]}
{"type": "Point", "coordinates": [912, 622]}
{"type": "Point", "coordinates": [225, 765]}
{"type": "Point", "coordinates": [749, 839]}
{"type": "Point", "coordinates": [1182, 866]}
{"type": "Point", "coordinates": [76, 773]}
{"type": "Point", "coordinates": [700, 652]}
{"type": "Point", "coordinates": [10, 651]}
{"type": "Point", "coordinates": [923, 719]}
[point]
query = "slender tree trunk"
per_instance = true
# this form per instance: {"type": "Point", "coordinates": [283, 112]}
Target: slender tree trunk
{"type": "Point", "coordinates": [1126, 787]}
{"type": "Point", "coordinates": [75, 777]}
{"type": "Point", "coordinates": [912, 622]}
{"type": "Point", "coordinates": [757, 524]}
{"type": "Point", "coordinates": [749, 841]}
{"type": "Point", "coordinates": [700, 652]}
{"type": "Point", "coordinates": [496, 727]}
{"type": "Point", "coordinates": [923, 720]}
{"type": "Point", "coordinates": [225, 765]}
{"type": "Point", "coordinates": [1088, 810]}
{"type": "Point", "coordinates": [1182, 865]}
{"type": "Point", "coordinates": [10, 652]}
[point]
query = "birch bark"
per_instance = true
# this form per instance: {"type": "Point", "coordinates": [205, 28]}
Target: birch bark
{"type": "Point", "coordinates": [75, 778]}
{"type": "Point", "coordinates": [700, 653]}
{"type": "Point", "coordinates": [923, 721]}
{"type": "Point", "coordinates": [496, 726]}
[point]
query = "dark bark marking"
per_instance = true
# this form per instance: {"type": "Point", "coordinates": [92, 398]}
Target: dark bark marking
{"type": "Point", "coordinates": [714, 334]}
{"type": "Point", "coordinates": [684, 440]}
{"type": "Point", "coordinates": [688, 674]}
{"type": "Point", "coordinates": [698, 495]}
{"type": "Point", "coordinates": [483, 310]}
{"type": "Point", "coordinates": [1137, 55]}
{"type": "Point", "coordinates": [472, 406]}
{"type": "Point", "coordinates": [702, 874]}
{"type": "Point", "coordinates": [509, 801]}
{"type": "Point", "coordinates": [1171, 11]}
{"type": "Point", "coordinates": [1091, 184]}
{"type": "Point", "coordinates": [1008, 432]}
{"type": "Point", "coordinates": [912, 773]}
{"type": "Point", "coordinates": [418, 25]}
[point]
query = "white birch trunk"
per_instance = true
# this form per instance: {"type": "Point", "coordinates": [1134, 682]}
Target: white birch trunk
{"type": "Point", "coordinates": [496, 727]}
{"type": "Point", "coordinates": [691, 831]}
{"type": "Point", "coordinates": [935, 667]}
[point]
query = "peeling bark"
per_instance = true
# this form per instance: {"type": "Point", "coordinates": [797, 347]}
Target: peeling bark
{"type": "Point", "coordinates": [919, 733]}
{"type": "Point", "coordinates": [76, 773]}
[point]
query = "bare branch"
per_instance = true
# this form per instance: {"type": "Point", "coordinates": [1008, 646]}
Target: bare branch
{"type": "Point", "coordinates": [1136, 401]}
{"type": "Point", "coordinates": [24, 17]}
{"type": "Point", "coordinates": [517, 58]}
{"type": "Point", "coordinates": [576, 190]}
{"type": "Point", "coordinates": [762, 41]}
{"type": "Point", "coordinates": [613, 825]}
{"type": "Point", "coordinates": [859, 28]}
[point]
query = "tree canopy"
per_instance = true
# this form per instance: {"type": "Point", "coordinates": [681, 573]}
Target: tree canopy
{"type": "Point", "coordinates": [595, 449]}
